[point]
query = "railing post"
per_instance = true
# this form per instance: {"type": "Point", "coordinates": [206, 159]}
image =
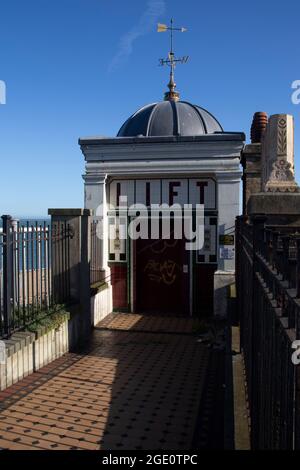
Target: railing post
{"type": "Point", "coordinates": [275, 251]}
{"type": "Point", "coordinates": [238, 272]}
{"type": "Point", "coordinates": [85, 280]}
{"type": "Point", "coordinates": [298, 268]}
{"type": "Point", "coordinates": [258, 233]}
{"type": "Point", "coordinates": [7, 273]}
{"type": "Point", "coordinates": [258, 230]}
{"type": "Point", "coordinates": [273, 245]}
{"type": "Point", "coordinates": [286, 255]}
{"type": "Point", "coordinates": [15, 261]}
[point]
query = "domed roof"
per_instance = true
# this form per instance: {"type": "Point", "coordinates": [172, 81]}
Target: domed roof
{"type": "Point", "coordinates": [170, 118]}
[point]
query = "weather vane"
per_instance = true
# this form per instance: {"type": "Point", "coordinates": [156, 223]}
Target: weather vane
{"type": "Point", "coordinates": [171, 61]}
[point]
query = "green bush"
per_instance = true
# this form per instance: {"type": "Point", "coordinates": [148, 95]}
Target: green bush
{"type": "Point", "coordinates": [35, 318]}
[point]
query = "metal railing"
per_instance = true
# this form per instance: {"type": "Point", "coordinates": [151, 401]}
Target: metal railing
{"type": "Point", "coordinates": [28, 283]}
{"type": "Point", "coordinates": [268, 291]}
{"type": "Point", "coordinates": [96, 273]}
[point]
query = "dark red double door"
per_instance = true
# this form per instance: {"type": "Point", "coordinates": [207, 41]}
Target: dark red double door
{"type": "Point", "coordinates": [161, 277]}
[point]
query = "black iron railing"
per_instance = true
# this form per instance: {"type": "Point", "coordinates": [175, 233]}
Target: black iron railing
{"type": "Point", "coordinates": [34, 271]}
{"type": "Point", "coordinates": [96, 273]}
{"type": "Point", "coordinates": [268, 290]}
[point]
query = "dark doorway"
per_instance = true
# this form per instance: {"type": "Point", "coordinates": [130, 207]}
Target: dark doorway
{"type": "Point", "coordinates": [162, 277]}
{"type": "Point", "coordinates": [203, 288]}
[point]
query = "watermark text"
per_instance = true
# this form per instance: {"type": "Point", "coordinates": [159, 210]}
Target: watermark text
{"type": "Point", "coordinates": [2, 92]}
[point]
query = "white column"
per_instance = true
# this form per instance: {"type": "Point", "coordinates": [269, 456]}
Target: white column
{"type": "Point", "coordinates": [94, 191]}
{"type": "Point", "coordinates": [95, 199]}
{"type": "Point", "coordinates": [228, 209]}
{"type": "Point", "coordinates": [14, 224]}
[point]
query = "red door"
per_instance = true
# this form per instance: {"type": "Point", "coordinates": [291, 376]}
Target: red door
{"type": "Point", "coordinates": [162, 285]}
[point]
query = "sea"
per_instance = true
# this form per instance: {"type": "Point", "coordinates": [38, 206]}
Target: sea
{"type": "Point", "coordinates": [31, 221]}
{"type": "Point", "coordinates": [33, 260]}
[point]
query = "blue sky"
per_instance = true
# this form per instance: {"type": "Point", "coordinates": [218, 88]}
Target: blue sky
{"type": "Point", "coordinates": [80, 67]}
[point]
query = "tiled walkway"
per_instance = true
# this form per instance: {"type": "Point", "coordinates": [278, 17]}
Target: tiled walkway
{"type": "Point", "coordinates": [149, 323]}
{"type": "Point", "coordinates": [129, 390]}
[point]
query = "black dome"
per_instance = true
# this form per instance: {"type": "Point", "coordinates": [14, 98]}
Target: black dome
{"type": "Point", "coordinates": [170, 118]}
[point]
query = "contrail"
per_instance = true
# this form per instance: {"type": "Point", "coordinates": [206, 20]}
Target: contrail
{"type": "Point", "coordinates": [154, 9]}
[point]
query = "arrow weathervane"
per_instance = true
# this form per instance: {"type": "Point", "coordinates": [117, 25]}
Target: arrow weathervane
{"type": "Point", "coordinates": [171, 61]}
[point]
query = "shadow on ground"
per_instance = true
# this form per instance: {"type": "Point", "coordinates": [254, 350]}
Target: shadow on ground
{"type": "Point", "coordinates": [148, 384]}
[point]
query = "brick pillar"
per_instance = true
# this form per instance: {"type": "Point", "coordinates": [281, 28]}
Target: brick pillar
{"type": "Point", "coordinates": [78, 224]}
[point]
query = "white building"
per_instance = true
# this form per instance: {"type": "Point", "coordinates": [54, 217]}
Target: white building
{"type": "Point", "coordinates": [167, 152]}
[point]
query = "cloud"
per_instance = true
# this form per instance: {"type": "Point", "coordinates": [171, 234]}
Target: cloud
{"type": "Point", "coordinates": [154, 9]}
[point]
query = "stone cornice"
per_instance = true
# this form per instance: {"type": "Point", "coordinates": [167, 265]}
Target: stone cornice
{"type": "Point", "coordinates": [157, 151]}
{"type": "Point", "coordinates": [95, 178]}
{"type": "Point", "coordinates": [223, 136]}
{"type": "Point", "coordinates": [95, 170]}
